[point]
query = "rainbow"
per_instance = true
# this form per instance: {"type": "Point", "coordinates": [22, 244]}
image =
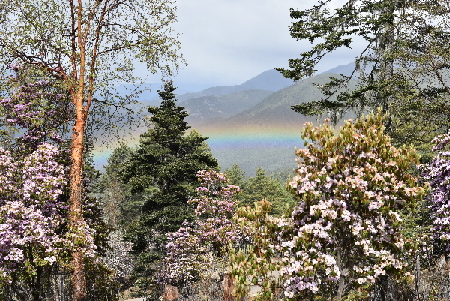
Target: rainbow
{"type": "Point", "coordinates": [242, 144]}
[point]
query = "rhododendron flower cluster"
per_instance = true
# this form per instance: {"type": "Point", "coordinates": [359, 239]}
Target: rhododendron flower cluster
{"type": "Point", "coordinates": [118, 257]}
{"type": "Point", "coordinates": [35, 105]}
{"type": "Point", "coordinates": [193, 248]}
{"type": "Point", "coordinates": [351, 189]}
{"type": "Point", "coordinates": [34, 228]}
{"type": "Point", "coordinates": [437, 173]}
{"type": "Point", "coordinates": [31, 213]}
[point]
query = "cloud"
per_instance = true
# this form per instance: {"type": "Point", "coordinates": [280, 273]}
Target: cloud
{"type": "Point", "coordinates": [226, 42]}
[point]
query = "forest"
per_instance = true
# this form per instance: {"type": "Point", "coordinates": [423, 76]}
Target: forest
{"type": "Point", "coordinates": [364, 216]}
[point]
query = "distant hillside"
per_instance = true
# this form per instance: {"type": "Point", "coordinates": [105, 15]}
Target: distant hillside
{"type": "Point", "coordinates": [211, 107]}
{"type": "Point", "coordinates": [270, 80]}
{"type": "Point", "coordinates": [275, 109]}
{"type": "Point", "coordinates": [342, 69]}
{"type": "Point", "coordinates": [250, 107]}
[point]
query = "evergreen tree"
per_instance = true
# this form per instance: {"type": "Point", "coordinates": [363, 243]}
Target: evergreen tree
{"type": "Point", "coordinates": [263, 187]}
{"type": "Point", "coordinates": [235, 175]}
{"type": "Point", "coordinates": [120, 205]}
{"type": "Point", "coordinates": [402, 69]}
{"type": "Point", "coordinates": [162, 171]}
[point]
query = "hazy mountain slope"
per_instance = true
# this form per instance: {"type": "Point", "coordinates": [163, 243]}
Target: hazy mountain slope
{"type": "Point", "coordinates": [268, 80]}
{"type": "Point", "coordinates": [342, 69]}
{"type": "Point", "coordinates": [275, 109]}
{"type": "Point", "coordinates": [223, 106]}
{"type": "Point", "coordinates": [271, 80]}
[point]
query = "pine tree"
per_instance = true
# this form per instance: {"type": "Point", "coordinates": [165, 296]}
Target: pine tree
{"type": "Point", "coordinates": [235, 175]}
{"type": "Point", "coordinates": [120, 205]}
{"type": "Point", "coordinates": [402, 69]}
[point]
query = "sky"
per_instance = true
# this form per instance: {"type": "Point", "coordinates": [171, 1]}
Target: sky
{"type": "Point", "coordinates": [226, 42]}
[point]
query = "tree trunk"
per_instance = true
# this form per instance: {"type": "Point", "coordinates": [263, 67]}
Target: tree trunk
{"type": "Point", "coordinates": [170, 293]}
{"type": "Point", "coordinates": [341, 285]}
{"type": "Point", "coordinates": [385, 43]}
{"type": "Point", "coordinates": [75, 201]}
{"type": "Point", "coordinates": [228, 287]}
{"type": "Point", "coordinates": [36, 285]}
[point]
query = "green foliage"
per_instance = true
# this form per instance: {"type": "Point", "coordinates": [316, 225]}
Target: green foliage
{"type": "Point", "coordinates": [403, 68]}
{"type": "Point", "coordinates": [235, 175]}
{"type": "Point", "coordinates": [263, 187]}
{"type": "Point", "coordinates": [119, 204]}
{"type": "Point", "coordinates": [162, 171]}
{"type": "Point", "coordinates": [102, 282]}
{"type": "Point", "coordinates": [257, 263]}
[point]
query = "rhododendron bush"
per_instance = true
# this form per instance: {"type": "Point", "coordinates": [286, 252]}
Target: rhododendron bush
{"type": "Point", "coordinates": [34, 230]}
{"type": "Point", "coordinates": [31, 213]}
{"type": "Point", "coordinates": [351, 187]}
{"type": "Point", "coordinates": [34, 105]}
{"type": "Point", "coordinates": [195, 247]}
{"type": "Point", "coordinates": [437, 173]}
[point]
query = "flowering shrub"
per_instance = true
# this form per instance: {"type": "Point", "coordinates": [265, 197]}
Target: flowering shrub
{"type": "Point", "coordinates": [258, 263]}
{"type": "Point", "coordinates": [118, 258]}
{"type": "Point", "coordinates": [437, 173]}
{"type": "Point", "coordinates": [31, 213]}
{"type": "Point", "coordinates": [351, 189]}
{"type": "Point", "coordinates": [34, 229]}
{"type": "Point", "coordinates": [224, 239]}
{"type": "Point", "coordinates": [196, 246]}
{"type": "Point", "coordinates": [35, 105]}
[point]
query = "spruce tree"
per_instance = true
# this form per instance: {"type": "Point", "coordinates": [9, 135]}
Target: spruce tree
{"type": "Point", "coordinates": [162, 171]}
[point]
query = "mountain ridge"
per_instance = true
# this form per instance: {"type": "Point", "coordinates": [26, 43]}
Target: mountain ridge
{"type": "Point", "coordinates": [270, 80]}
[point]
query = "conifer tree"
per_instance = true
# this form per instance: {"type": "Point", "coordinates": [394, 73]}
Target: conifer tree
{"type": "Point", "coordinates": [119, 205]}
{"type": "Point", "coordinates": [235, 175]}
{"type": "Point", "coordinates": [163, 171]}
{"type": "Point", "coordinates": [263, 187]}
{"type": "Point", "coordinates": [402, 69]}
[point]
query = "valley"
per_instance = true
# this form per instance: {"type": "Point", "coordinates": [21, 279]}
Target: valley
{"type": "Point", "coordinates": [251, 124]}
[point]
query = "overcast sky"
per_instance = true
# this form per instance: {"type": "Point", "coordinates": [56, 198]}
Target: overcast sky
{"type": "Point", "coordinates": [226, 42]}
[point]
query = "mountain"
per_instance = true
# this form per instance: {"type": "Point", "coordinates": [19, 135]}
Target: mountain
{"type": "Point", "coordinates": [275, 109]}
{"type": "Point", "coordinates": [342, 69]}
{"type": "Point", "coordinates": [270, 80]}
{"type": "Point", "coordinates": [211, 107]}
